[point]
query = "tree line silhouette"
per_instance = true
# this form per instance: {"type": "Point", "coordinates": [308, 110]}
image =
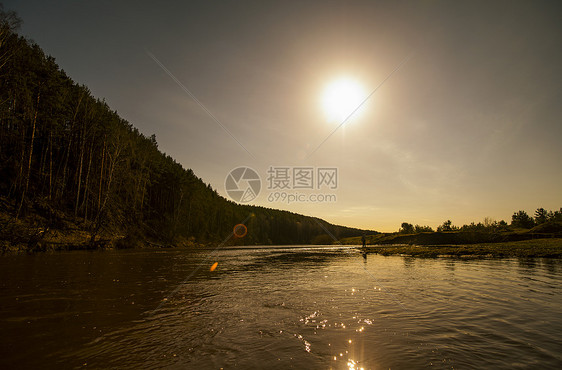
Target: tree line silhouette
{"type": "Point", "coordinates": [519, 219]}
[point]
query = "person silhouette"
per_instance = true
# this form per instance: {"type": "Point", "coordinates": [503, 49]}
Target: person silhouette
{"type": "Point", "coordinates": [364, 247]}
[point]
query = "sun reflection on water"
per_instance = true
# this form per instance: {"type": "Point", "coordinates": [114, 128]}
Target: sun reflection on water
{"type": "Point", "coordinates": [352, 365]}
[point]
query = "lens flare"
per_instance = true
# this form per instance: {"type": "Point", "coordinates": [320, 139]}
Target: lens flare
{"type": "Point", "coordinates": [240, 230]}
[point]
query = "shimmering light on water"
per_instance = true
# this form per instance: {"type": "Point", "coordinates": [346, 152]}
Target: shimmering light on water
{"type": "Point", "coordinates": [277, 308]}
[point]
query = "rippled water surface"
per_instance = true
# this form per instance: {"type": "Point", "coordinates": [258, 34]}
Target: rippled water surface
{"type": "Point", "coordinates": [299, 307]}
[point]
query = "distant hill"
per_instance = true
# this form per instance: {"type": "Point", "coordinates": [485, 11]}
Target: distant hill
{"type": "Point", "coordinates": [68, 162]}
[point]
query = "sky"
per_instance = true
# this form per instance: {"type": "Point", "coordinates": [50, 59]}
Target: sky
{"type": "Point", "coordinates": [463, 118]}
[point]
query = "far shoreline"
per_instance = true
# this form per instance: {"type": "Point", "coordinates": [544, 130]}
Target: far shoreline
{"type": "Point", "coordinates": [535, 248]}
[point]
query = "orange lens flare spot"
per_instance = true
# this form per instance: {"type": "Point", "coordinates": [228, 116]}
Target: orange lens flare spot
{"type": "Point", "coordinates": [214, 266]}
{"type": "Point", "coordinates": [240, 230]}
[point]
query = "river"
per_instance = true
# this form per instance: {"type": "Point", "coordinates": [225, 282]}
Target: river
{"type": "Point", "coordinates": [277, 308]}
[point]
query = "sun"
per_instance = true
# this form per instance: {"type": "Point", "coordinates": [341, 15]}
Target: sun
{"type": "Point", "coordinates": [341, 98]}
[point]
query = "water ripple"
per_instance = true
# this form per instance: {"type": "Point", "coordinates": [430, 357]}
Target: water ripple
{"type": "Point", "coordinates": [307, 307]}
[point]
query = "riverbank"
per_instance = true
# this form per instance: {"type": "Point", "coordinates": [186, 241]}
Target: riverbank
{"type": "Point", "coordinates": [47, 240]}
{"type": "Point", "coordinates": [34, 232]}
{"type": "Point", "coordinates": [544, 231]}
{"type": "Point", "coordinates": [537, 248]}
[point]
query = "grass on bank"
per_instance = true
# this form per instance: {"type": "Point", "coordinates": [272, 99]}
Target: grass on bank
{"type": "Point", "coordinates": [535, 248]}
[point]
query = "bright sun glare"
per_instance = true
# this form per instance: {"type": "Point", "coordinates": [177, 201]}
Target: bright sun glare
{"type": "Point", "coordinates": [341, 97]}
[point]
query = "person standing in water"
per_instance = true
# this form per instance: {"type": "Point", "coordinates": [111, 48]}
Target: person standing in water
{"type": "Point", "coordinates": [364, 247]}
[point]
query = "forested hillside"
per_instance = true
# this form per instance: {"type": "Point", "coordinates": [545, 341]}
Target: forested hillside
{"type": "Point", "coordinates": [67, 158]}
